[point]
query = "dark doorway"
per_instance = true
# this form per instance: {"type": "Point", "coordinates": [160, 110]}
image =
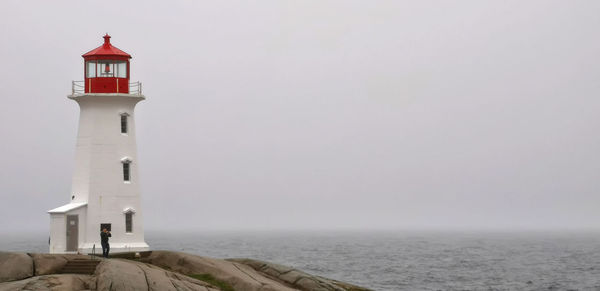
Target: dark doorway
{"type": "Point", "coordinates": [72, 233]}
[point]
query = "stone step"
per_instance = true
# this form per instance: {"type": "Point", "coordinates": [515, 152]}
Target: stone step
{"type": "Point", "coordinates": [78, 271]}
{"type": "Point", "coordinates": [84, 263]}
{"type": "Point", "coordinates": [83, 272]}
{"type": "Point", "coordinates": [80, 267]}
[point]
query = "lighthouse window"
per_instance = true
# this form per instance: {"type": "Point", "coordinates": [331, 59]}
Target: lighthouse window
{"type": "Point", "coordinates": [91, 69]}
{"type": "Point", "coordinates": [123, 123]}
{"type": "Point", "coordinates": [128, 222]}
{"type": "Point", "coordinates": [126, 170]}
{"type": "Point", "coordinates": [121, 70]}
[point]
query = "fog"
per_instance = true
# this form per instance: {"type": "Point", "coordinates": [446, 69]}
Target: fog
{"type": "Point", "coordinates": [362, 115]}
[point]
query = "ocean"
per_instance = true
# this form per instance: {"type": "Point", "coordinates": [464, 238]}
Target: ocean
{"type": "Point", "coordinates": [383, 260]}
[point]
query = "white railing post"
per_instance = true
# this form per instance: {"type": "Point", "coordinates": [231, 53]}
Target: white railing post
{"type": "Point", "coordinates": [77, 87]}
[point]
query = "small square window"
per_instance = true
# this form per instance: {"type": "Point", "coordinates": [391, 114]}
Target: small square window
{"type": "Point", "coordinates": [123, 123]}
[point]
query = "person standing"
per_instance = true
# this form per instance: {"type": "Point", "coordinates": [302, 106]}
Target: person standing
{"type": "Point", "coordinates": [104, 235]}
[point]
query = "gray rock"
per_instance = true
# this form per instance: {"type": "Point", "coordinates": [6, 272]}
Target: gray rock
{"type": "Point", "coordinates": [297, 278]}
{"type": "Point", "coordinates": [66, 282]}
{"type": "Point", "coordinates": [310, 284]}
{"type": "Point", "coordinates": [117, 275]}
{"type": "Point", "coordinates": [15, 266]}
{"type": "Point", "coordinates": [48, 264]}
{"type": "Point", "coordinates": [239, 276]}
{"type": "Point", "coordinates": [292, 277]}
{"type": "Point", "coordinates": [158, 270]}
{"type": "Point", "coordinates": [275, 270]}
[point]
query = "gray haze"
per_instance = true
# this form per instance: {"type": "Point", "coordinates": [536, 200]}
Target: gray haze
{"type": "Point", "coordinates": [319, 114]}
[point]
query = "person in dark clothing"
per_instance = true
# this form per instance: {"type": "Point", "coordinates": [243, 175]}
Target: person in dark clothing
{"type": "Point", "coordinates": [104, 235]}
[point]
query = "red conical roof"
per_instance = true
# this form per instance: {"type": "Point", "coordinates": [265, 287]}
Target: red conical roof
{"type": "Point", "coordinates": [107, 49]}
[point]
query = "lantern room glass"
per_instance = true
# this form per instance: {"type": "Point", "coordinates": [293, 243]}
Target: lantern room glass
{"type": "Point", "coordinates": [90, 71]}
{"type": "Point", "coordinates": [106, 69]}
{"type": "Point", "coordinates": [121, 69]}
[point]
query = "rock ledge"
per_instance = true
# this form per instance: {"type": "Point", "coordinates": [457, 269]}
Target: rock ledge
{"type": "Point", "coordinates": [157, 270]}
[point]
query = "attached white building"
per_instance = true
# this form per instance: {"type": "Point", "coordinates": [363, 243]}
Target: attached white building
{"type": "Point", "coordinates": [105, 190]}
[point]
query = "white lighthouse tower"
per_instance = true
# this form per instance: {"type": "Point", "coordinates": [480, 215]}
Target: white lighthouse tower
{"type": "Point", "coordinates": [105, 190]}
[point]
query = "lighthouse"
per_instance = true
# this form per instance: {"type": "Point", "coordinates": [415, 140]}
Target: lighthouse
{"type": "Point", "coordinates": [105, 191]}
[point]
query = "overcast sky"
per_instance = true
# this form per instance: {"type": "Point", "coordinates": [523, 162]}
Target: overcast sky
{"type": "Point", "coordinates": [319, 114]}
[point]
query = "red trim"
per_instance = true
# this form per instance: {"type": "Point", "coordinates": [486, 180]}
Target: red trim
{"type": "Point", "coordinates": [107, 49]}
{"type": "Point", "coordinates": [106, 85]}
{"type": "Point", "coordinates": [106, 57]}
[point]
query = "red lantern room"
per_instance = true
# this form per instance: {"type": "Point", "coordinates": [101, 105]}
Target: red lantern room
{"type": "Point", "coordinates": [106, 69]}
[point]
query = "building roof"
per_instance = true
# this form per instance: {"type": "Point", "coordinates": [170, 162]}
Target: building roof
{"type": "Point", "coordinates": [67, 207]}
{"type": "Point", "coordinates": [106, 49]}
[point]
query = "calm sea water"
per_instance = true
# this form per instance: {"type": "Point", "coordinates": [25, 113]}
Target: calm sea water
{"type": "Point", "coordinates": [400, 260]}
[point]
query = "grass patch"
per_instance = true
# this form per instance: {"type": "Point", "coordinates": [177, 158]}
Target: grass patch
{"type": "Point", "coordinates": [208, 278]}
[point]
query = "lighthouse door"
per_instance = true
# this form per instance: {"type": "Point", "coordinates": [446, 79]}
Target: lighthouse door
{"type": "Point", "coordinates": [72, 232]}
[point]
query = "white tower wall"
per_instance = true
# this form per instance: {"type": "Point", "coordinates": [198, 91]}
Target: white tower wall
{"type": "Point", "coordinates": [98, 176]}
{"type": "Point", "coordinates": [99, 192]}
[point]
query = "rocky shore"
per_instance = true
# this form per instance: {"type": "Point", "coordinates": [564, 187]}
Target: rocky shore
{"type": "Point", "coordinates": [153, 270]}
